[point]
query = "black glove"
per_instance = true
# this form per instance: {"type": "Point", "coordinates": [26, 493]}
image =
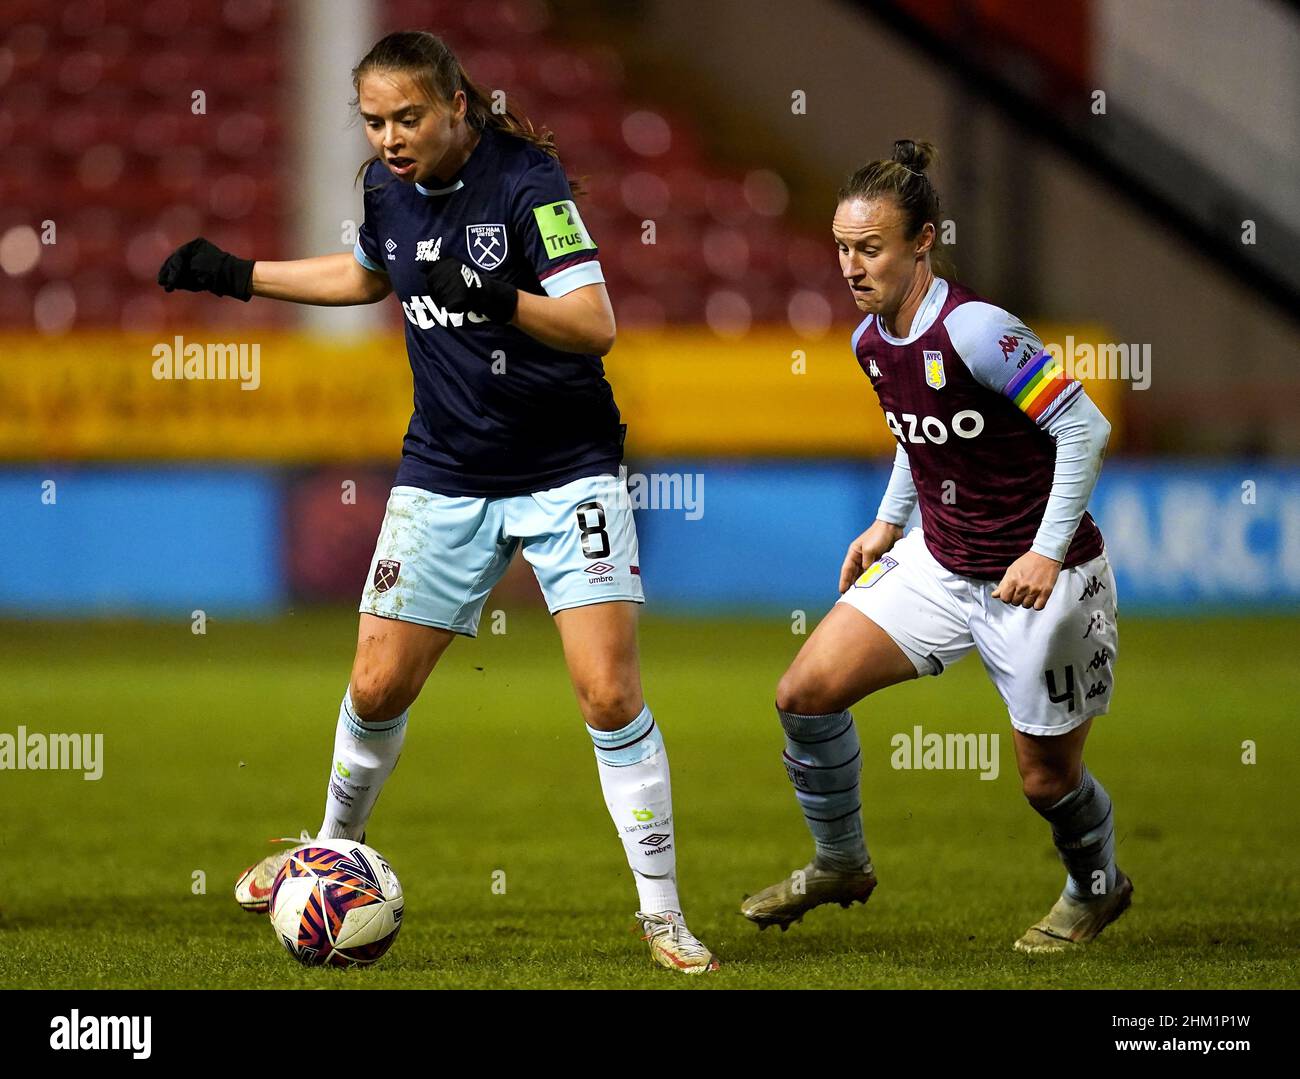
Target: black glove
{"type": "Point", "coordinates": [458, 287]}
{"type": "Point", "coordinates": [199, 266]}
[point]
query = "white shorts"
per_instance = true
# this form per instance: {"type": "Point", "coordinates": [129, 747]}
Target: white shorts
{"type": "Point", "coordinates": [438, 556]}
{"type": "Point", "coordinates": [1054, 668]}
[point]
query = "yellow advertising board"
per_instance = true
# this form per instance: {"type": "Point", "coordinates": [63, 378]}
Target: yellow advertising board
{"type": "Point", "coordinates": [291, 398]}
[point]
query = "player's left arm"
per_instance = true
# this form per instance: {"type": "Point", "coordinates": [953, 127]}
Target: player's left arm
{"type": "Point", "coordinates": [575, 314]}
{"type": "Point", "coordinates": [1026, 373]}
{"type": "Point", "coordinates": [577, 321]}
{"type": "Point", "coordinates": [1081, 433]}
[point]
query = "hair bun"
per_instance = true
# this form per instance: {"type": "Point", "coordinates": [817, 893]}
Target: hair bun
{"type": "Point", "coordinates": [917, 156]}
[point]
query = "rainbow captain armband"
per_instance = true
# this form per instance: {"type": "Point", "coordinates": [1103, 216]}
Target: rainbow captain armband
{"type": "Point", "coordinates": [1039, 385]}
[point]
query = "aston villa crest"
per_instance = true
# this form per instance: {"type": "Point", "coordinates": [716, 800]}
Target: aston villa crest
{"type": "Point", "coordinates": [875, 571]}
{"type": "Point", "coordinates": [487, 245]}
{"type": "Point", "coordinates": [934, 375]}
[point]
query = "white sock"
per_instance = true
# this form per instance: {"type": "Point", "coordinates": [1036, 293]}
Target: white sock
{"type": "Point", "coordinates": [365, 755]}
{"type": "Point", "coordinates": [633, 766]}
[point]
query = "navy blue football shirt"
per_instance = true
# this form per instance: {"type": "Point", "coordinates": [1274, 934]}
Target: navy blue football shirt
{"type": "Point", "coordinates": [496, 411]}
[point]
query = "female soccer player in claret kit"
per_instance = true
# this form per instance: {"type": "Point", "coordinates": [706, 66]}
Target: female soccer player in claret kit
{"type": "Point", "coordinates": [515, 442]}
{"type": "Point", "coordinates": [1002, 450]}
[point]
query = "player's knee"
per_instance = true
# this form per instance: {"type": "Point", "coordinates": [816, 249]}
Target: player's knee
{"type": "Point", "coordinates": [380, 695]}
{"type": "Point", "coordinates": [788, 693]}
{"type": "Point", "coordinates": [803, 696]}
{"type": "Point", "coordinates": [609, 706]}
{"type": "Point", "coordinates": [1044, 787]}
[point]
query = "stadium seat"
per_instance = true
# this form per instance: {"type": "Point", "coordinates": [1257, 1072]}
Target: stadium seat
{"type": "Point", "coordinates": [137, 161]}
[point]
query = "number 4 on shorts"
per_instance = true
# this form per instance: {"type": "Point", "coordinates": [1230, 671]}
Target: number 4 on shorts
{"type": "Point", "coordinates": [1067, 694]}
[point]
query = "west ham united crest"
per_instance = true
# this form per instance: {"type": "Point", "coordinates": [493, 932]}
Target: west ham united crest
{"type": "Point", "coordinates": [934, 375]}
{"type": "Point", "coordinates": [386, 571]}
{"type": "Point", "coordinates": [487, 245]}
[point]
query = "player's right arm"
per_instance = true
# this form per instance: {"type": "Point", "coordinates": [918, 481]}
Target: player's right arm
{"type": "Point", "coordinates": [866, 549]}
{"type": "Point", "coordinates": [326, 280]}
{"type": "Point", "coordinates": [891, 519]}
{"type": "Point", "coordinates": [340, 280]}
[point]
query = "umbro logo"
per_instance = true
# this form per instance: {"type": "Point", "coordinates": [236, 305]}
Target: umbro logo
{"type": "Point", "coordinates": [471, 278]}
{"type": "Point", "coordinates": [598, 568]}
{"type": "Point", "coordinates": [655, 839]}
{"type": "Point", "coordinates": [391, 247]}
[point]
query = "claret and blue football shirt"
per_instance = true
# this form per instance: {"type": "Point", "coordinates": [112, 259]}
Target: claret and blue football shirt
{"type": "Point", "coordinates": [969, 394]}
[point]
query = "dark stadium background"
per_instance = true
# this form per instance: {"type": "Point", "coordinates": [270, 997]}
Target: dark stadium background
{"type": "Point", "coordinates": [180, 560]}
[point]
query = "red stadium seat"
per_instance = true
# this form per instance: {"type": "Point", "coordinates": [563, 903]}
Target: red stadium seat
{"type": "Point", "coordinates": [135, 171]}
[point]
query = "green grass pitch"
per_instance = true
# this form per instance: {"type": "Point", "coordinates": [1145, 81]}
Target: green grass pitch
{"type": "Point", "coordinates": [213, 743]}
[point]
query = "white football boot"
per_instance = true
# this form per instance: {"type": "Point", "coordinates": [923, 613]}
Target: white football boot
{"type": "Point", "coordinates": [790, 898]}
{"type": "Point", "coordinates": [253, 888]}
{"type": "Point", "coordinates": [674, 946]}
{"type": "Point", "coordinates": [1072, 923]}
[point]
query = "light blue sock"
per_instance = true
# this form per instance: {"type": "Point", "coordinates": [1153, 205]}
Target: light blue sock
{"type": "Point", "coordinates": [824, 761]}
{"type": "Point", "coordinates": [1083, 829]}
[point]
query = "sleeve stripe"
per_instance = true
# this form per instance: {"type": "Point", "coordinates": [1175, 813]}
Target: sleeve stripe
{"type": "Point", "coordinates": [574, 276]}
{"type": "Point", "coordinates": [365, 260]}
{"type": "Point", "coordinates": [568, 265]}
{"type": "Point", "coordinates": [1072, 392]}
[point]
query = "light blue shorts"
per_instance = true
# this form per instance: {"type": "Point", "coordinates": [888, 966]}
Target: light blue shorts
{"type": "Point", "coordinates": [439, 556]}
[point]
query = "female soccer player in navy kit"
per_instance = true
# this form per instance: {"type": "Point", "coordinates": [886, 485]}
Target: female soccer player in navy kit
{"type": "Point", "coordinates": [1002, 451]}
{"type": "Point", "coordinates": [515, 442]}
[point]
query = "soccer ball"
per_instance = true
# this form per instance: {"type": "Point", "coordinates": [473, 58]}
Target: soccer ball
{"type": "Point", "coordinates": [336, 901]}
